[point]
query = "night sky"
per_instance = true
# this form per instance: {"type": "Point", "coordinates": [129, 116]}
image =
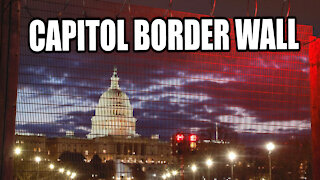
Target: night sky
{"type": "Point", "coordinates": [256, 93]}
{"type": "Point", "coordinates": [307, 11]}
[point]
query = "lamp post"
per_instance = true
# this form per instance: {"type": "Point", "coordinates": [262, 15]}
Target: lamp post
{"type": "Point", "coordinates": [174, 173]}
{"type": "Point", "coordinates": [194, 169]}
{"type": "Point", "coordinates": [73, 175]}
{"type": "Point", "coordinates": [51, 167]}
{"type": "Point", "coordinates": [209, 163]}
{"type": "Point", "coordinates": [270, 147]}
{"type": "Point", "coordinates": [37, 159]}
{"type": "Point", "coordinates": [68, 173]}
{"type": "Point", "coordinates": [17, 152]}
{"type": "Point", "coordinates": [168, 175]}
{"type": "Point", "coordinates": [232, 156]}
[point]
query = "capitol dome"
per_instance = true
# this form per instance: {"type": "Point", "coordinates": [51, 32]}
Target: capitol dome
{"type": "Point", "coordinates": [114, 113]}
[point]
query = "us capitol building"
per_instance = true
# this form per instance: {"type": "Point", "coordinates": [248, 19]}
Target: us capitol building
{"type": "Point", "coordinates": [113, 136]}
{"type": "Point", "coordinates": [114, 113]}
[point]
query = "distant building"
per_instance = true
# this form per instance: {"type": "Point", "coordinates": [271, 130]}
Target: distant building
{"type": "Point", "coordinates": [152, 154]}
{"type": "Point", "coordinates": [114, 113]}
{"type": "Point", "coordinates": [32, 144]}
{"type": "Point", "coordinates": [127, 149]}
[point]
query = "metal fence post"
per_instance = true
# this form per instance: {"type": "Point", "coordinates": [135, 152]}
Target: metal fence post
{"type": "Point", "coordinates": [314, 58]}
{"type": "Point", "coordinates": [9, 56]}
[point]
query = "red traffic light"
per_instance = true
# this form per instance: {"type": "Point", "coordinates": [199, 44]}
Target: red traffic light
{"type": "Point", "coordinates": [179, 137]}
{"type": "Point", "coordinates": [193, 138]}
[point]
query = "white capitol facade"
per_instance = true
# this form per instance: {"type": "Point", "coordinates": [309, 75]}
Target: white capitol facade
{"type": "Point", "coordinates": [114, 113]}
{"type": "Point", "coordinates": [112, 137]}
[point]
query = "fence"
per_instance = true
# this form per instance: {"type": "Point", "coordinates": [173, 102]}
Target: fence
{"type": "Point", "coordinates": [72, 114]}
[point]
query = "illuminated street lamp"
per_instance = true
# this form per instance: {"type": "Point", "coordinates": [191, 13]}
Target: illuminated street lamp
{"type": "Point", "coordinates": [61, 170]}
{"type": "Point", "coordinates": [73, 175]}
{"type": "Point", "coordinates": [174, 173]}
{"type": "Point", "coordinates": [232, 156]}
{"type": "Point", "coordinates": [270, 147]}
{"type": "Point", "coordinates": [17, 151]}
{"type": "Point", "coordinates": [209, 163]}
{"type": "Point", "coordinates": [164, 176]}
{"type": "Point", "coordinates": [51, 166]}
{"type": "Point", "coordinates": [168, 175]}
{"type": "Point", "coordinates": [37, 159]}
{"type": "Point", "coordinates": [194, 169]}
{"type": "Point", "coordinates": [68, 173]}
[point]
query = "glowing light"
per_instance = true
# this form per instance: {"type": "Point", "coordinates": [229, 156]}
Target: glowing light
{"type": "Point", "coordinates": [68, 173]}
{"type": "Point", "coordinates": [73, 175]}
{"type": "Point", "coordinates": [37, 159]}
{"type": "Point", "coordinates": [51, 166]}
{"type": "Point", "coordinates": [194, 168]}
{"type": "Point", "coordinates": [209, 162]}
{"type": "Point", "coordinates": [179, 137]}
{"type": "Point", "coordinates": [270, 146]}
{"type": "Point", "coordinates": [164, 176]}
{"type": "Point", "coordinates": [193, 145]}
{"type": "Point", "coordinates": [193, 138]}
{"type": "Point", "coordinates": [61, 170]}
{"type": "Point", "coordinates": [174, 172]}
{"type": "Point", "coordinates": [17, 151]}
{"type": "Point", "coordinates": [232, 156]}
